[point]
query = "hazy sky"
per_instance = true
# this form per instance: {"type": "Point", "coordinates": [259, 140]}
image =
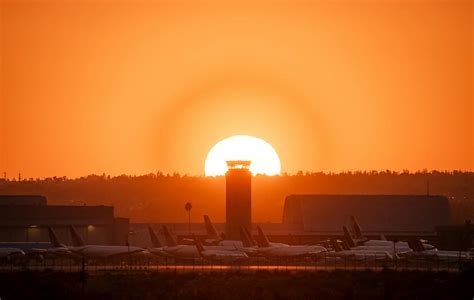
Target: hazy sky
{"type": "Point", "coordinates": [126, 87]}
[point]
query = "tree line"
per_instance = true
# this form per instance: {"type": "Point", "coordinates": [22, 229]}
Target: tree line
{"type": "Point", "coordinates": [159, 197]}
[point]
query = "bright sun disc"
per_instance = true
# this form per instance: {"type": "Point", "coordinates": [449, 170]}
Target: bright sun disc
{"type": "Point", "coordinates": [264, 158]}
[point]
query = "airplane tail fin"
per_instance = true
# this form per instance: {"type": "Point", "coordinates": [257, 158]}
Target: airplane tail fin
{"type": "Point", "coordinates": [335, 245]}
{"type": "Point", "coordinates": [263, 240]}
{"type": "Point", "coordinates": [420, 245]}
{"type": "Point", "coordinates": [245, 239]}
{"type": "Point", "coordinates": [198, 244]}
{"type": "Point", "coordinates": [345, 246]}
{"type": "Point", "coordinates": [249, 235]}
{"type": "Point", "coordinates": [347, 237]}
{"type": "Point", "coordinates": [77, 241]}
{"type": "Point", "coordinates": [356, 227]}
{"type": "Point", "coordinates": [170, 240]}
{"type": "Point", "coordinates": [414, 245]}
{"type": "Point", "coordinates": [154, 238]}
{"type": "Point", "coordinates": [210, 229]}
{"type": "Point", "coordinates": [54, 238]}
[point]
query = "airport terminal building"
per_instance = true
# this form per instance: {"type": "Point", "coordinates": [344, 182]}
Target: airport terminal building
{"type": "Point", "coordinates": [25, 218]}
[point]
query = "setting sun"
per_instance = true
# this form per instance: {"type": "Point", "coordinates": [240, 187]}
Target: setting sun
{"type": "Point", "coordinates": [264, 158]}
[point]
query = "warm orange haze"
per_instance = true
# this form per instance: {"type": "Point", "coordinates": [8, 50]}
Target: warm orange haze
{"type": "Point", "coordinates": [236, 149]}
{"type": "Point", "coordinates": [133, 88]}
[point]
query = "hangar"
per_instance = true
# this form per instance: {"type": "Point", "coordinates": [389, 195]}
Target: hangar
{"type": "Point", "coordinates": [25, 218]}
{"type": "Point", "coordinates": [377, 214]}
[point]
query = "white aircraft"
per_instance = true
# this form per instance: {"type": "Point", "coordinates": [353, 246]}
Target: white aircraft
{"type": "Point", "coordinates": [259, 242]}
{"type": "Point", "coordinates": [99, 251]}
{"type": "Point", "coordinates": [361, 240]}
{"type": "Point", "coordinates": [214, 238]}
{"type": "Point", "coordinates": [158, 248]}
{"type": "Point", "coordinates": [57, 249]}
{"type": "Point", "coordinates": [174, 249]}
{"type": "Point", "coordinates": [357, 254]}
{"type": "Point", "coordinates": [7, 252]}
{"type": "Point", "coordinates": [275, 250]}
{"type": "Point", "coordinates": [26, 247]}
{"type": "Point", "coordinates": [422, 250]}
{"type": "Point", "coordinates": [218, 255]}
{"type": "Point", "coordinates": [186, 251]}
{"type": "Point", "coordinates": [391, 247]}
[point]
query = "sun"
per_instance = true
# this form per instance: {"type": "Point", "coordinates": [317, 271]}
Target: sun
{"type": "Point", "coordinates": [264, 158]}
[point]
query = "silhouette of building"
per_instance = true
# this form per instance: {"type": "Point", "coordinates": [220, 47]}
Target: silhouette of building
{"type": "Point", "coordinates": [26, 219]}
{"type": "Point", "coordinates": [238, 198]}
{"type": "Point", "coordinates": [22, 200]}
{"type": "Point", "coordinates": [387, 214]}
{"type": "Point", "coordinates": [456, 237]}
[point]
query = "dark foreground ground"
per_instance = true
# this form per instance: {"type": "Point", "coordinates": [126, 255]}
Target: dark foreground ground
{"type": "Point", "coordinates": [239, 285]}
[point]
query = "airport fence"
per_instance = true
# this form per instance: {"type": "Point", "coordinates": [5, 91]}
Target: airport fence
{"type": "Point", "coordinates": [164, 264]}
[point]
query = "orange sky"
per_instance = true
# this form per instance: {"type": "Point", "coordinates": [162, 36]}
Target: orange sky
{"type": "Point", "coordinates": [127, 87]}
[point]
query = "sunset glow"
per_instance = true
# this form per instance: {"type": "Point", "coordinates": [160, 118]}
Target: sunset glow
{"type": "Point", "coordinates": [264, 158]}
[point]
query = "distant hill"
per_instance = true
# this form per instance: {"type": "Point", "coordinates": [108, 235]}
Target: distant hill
{"type": "Point", "coordinates": [161, 198]}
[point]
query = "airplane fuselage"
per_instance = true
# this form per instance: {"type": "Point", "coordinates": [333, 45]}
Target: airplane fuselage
{"type": "Point", "coordinates": [103, 251]}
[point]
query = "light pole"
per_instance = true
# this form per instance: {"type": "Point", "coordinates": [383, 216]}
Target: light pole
{"type": "Point", "coordinates": [188, 206]}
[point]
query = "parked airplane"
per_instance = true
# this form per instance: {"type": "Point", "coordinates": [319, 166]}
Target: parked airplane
{"type": "Point", "coordinates": [57, 248]}
{"type": "Point", "coordinates": [422, 250]}
{"type": "Point", "coordinates": [340, 252]}
{"type": "Point", "coordinates": [157, 245]}
{"type": "Point", "coordinates": [213, 238]}
{"type": "Point", "coordinates": [360, 239]}
{"type": "Point", "coordinates": [274, 250]}
{"type": "Point", "coordinates": [218, 255]}
{"type": "Point", "coordinates": [99, 251]}
{"type": "Point", "coordinates": [391, 247]}
{"type": "Point", "coordinates": [250, 246]}
{"type": "Point", "coordinates": [187, 251]}
{"type": "Point", "coordinates": [6, 252]}
{"type": "Point", "coordinates": [26, 247]}
{"type": "Point", "coordinates": [174, 249]}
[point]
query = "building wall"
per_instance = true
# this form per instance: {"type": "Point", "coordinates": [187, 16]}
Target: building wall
{"type": "Point", "coordinates": [456, 237]}
{"type": "Point", "coordinates": [376, 213]}
{"type": "Point", "coordinates": [22, 200]}
{"type": "Point", "coordinates": [29, 223]}
{"type": "Point", "coordinates": [51, 215]}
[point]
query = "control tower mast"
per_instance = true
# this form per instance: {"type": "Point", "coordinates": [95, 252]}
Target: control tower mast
{"type": "Point", "coordinates": [238, 198]}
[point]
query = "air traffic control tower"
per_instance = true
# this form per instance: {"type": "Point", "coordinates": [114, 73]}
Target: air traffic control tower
{"type": "Point", "coordinates": [238, 198]}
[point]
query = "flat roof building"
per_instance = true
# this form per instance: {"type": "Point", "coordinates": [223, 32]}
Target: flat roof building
{"type": "Point", "coordinates": [27, 218]}
{"type": "Point", "coordinates": [22, 200]}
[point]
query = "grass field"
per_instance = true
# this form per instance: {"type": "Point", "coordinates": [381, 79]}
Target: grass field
{"type": "Point", "coordinates": [237, 285]}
